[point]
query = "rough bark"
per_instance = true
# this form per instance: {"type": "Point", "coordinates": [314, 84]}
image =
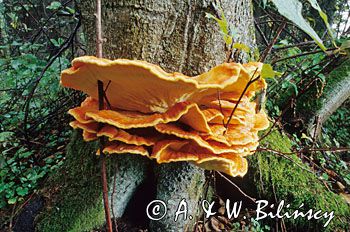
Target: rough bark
{"type": "Point", "coordinates": [177, 36]}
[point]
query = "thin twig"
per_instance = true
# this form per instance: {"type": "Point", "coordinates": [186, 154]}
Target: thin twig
{"type": "Point", "coordinates": [220, 106]}
{"type": "Point", "coordinates": [302, 44]}
{"type": "Point", "coordinates": [261, 33]}
{"type": "Point", "coordinates": [307, 149]}
{"type": "Point", "coordinates": [283, 154]}
{"type": "Point", "coordinates": [238, 188]}
{"type": "Point", "coordinates": [12, 217]}
{"type": "Point", "coordinates": [301, 54]}
{"type": "Point", "coordinates": [99, 41]}
{"type": "Point", "coordinates": [103, 162]}
{"type": "Point", "coordinates": [112, 197]}
{"type": "Point", "coordinates": [251, 81]}
{"type": "Point", "coordinates": [269, 48]}
{"type": "Point", "coordinates": [64, 46]}
{"type": "Point", "coordinates": [101, 97]}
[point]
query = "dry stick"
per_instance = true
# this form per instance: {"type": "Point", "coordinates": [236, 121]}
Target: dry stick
{"type": "Point", "coordinates": [332, 149]}
{"type": "Point", "coordinates": [269, 48]}
{"type": "Point", "coordinates": [64, 46]}
{"type": "Point", "coordinates": [99, 40]}
{"type": "Point", "coordinates": [301, 44]}
{"type": "Point", "coordinates": [261, 33]}
{"type": "Point", "coordinates": [306, 149]}
{"type": "Point", "coordinates": [112, 196]}
{"type": "Point", "coordinates": [101, 95]}
{"type": "Point", "coordinates": [219, 98]}
{"type": "Point", "coordinates": [207, 184]}
{"type": "Point", "coordinates": [238, 188]}
{"type": "Point", "coordinates": [15, 212]}
{"type": "Point", "coordinates": [105, 95]}
{"type": "Point", "coordinates": [302, 54]}
{"type": "Point", "coordinates": [282, 154]}
{"type": "Point", "coordinates": [103, 162]}
{"type": "Point", "coordinates": [317, 121]}
{"type": "Point", "coordinates": [251, 81]}
{"type": "Point", "coordinates": [12, 217]}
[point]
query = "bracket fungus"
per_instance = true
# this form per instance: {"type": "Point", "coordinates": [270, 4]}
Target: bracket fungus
{"type": "Point", "coordinates": [170, 116]}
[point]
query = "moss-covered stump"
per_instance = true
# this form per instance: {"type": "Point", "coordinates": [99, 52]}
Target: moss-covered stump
{"type": "Point", "coordinates": [76, 204]}
{"type": "Point", "coordinates": [277, 178]}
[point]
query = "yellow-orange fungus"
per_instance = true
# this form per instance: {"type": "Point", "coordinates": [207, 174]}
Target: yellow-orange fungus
{"type": "Point", "coordinates": [170, 116]}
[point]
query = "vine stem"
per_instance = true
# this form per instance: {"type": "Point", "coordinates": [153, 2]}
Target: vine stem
{"type": "Point", "coordinates": [101, 95]}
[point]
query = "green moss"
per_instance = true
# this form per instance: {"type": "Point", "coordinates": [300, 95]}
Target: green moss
{"type": "Point", "coordinates": [307, 101]}
{"type": "Point", "coordinates": [278, 178]}
{"type": "Point", "coordinates": [77, 206]}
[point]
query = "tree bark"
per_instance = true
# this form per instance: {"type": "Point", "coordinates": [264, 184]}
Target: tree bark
{"type": "Point", "coordinates": [177, 36]}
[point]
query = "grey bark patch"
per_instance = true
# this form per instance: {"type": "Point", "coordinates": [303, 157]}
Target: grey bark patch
{"type": "Point", "coordinates": [127, 173]}
{"type": "Point", "coordinates": [177, 182]}
{"type": "Point", "coordinates": [25, 220]}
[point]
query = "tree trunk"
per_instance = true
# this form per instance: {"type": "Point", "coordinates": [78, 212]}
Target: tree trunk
{"type": "Point", "coordinates": [316, 110]}
{"type": "Point", "coordinates": [179, 37]}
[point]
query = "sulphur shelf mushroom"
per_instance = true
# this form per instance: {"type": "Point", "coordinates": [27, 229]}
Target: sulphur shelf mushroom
{"type": "Point", "coordinates": [170, 116]}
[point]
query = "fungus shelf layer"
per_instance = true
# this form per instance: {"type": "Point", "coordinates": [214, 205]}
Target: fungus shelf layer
{"type": "Point", "coordinates": [170, 116]}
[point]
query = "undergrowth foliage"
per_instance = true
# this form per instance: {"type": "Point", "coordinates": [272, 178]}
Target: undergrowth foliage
{"type": "Point", "coordinates": [33, 138]}
{"type": "Point", "coordinates": [24, 162]}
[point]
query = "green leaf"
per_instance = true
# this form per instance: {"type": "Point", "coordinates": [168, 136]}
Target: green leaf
{"type": "Point", "coordinates": [325, 176]}
{"type": "Point", "coordinates": [291, 9]}
{"type": "Point", "coordinates": [54, 42]}
{"type": "Point", "coordinates": [323, 15]}
{"type": "Point", "coordinates": [12, 201]}
{"type": "Point", "coordinates": [264, 3]}
{"type": "Point", "coordinates": [54, 5]}
{"type": "Point", "coordinates": [16, 63]}
{"type": "Point", "coordinates": [304, 136]}
{"type": "Point", "coordinates": [22, 191]}
{"type": "Point", "coordinates": [70, 10]}
{"type": "Point", "coordinates": [345, 44]}
{"type": "Point", "coordinates": [224, 27]}
{"type": "Point", "coordinates": [15, 43]}
{"type": "Point", "coordinates": [322, 77]}
{"type": "Point", "coordinates": [268, 72]}
{"type": "Point", "coordinates": [347, 179]}
{"type": "Point", "coordinates": [25, 154]}
{"type": "Point", "coordinates": [5, 136]}
{"type": "Point", "coordinates": [241, 46]}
